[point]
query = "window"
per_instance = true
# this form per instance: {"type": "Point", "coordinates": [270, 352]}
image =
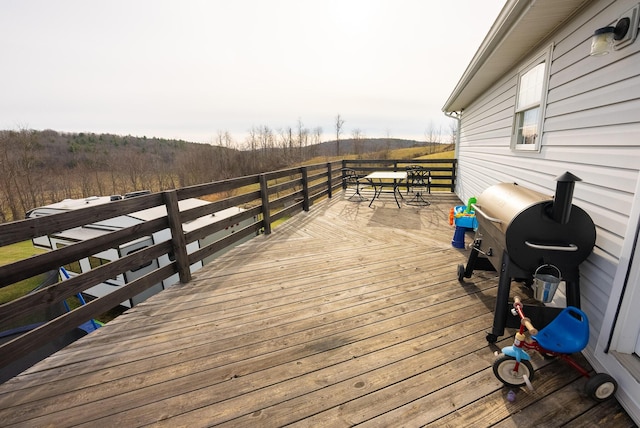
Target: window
{"type": "Point", "coordinates": [530, 102]}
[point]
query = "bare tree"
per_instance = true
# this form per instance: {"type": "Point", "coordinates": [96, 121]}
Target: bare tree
{"type": "Point", "coordinates": [29, 161]}
{"type": "Point", "coordinates": [316, 139]}
{"type": "Point", "coordinates": [115, 173]}
{"type": "Point", "coordinates": [285, 144]}
{"type": "Point", "coordinates": [358, 137]}
{"type": "Point", "coordinates": [7, 173]}
{"type": "Point", "coordinates": [135, 160]}
{"type": "Point", "coordinates": [339, 124]}
{"type": "Point", "coordinates": [268, 158]}
{"type": "Point", "coordinates": [226, 160]}
{"type": "Point", "coordinates": [386, 152]}
{"type": "Point", "coordinates": [20, 165]}
{"type": "Point", "coordinates": [302, 136]}
{"type": "Point", "coordinates": [453, 132]}
{"type": "Point", "coordinates": [432, 136]}
{"type": "Point", "coordinates": [252, 143]}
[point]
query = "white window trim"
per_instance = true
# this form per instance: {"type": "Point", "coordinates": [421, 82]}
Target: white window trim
{"type": "Point", "coordinates": [542, 56]}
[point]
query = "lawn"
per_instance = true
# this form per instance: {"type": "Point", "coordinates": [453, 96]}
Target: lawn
{"type": "Point", "coordinates": [440, 155]}
{"type": "Point", "coordinates": [12, 253]}
{"type": "Point", "coordinates": [24, 250]}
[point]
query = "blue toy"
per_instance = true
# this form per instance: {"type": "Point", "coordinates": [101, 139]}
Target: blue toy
{"type": "Point", "coordinates": [568, 333]}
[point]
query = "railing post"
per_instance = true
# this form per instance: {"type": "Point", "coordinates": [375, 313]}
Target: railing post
{"type": "Point", "coordinates": [329, 180]}
{"type": "Point", "coordinates": [453, 175]}
{"type": "Point", "coordinates": [305, 188]}
{"type": "Point", "coordinates": [266, 211]}
{"type": "Point", "coordinates": [344, 183]}
{"type": "Point", "coordinates": [177, 235]}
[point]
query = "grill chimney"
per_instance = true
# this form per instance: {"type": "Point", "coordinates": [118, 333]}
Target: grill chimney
{"type": "Point", "coordinates": [561, 210]}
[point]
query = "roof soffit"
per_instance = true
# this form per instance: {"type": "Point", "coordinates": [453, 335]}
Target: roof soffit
{"type": "Point", "coordinates": [521, 26]}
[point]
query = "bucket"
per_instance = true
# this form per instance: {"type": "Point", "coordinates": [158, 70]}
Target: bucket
{"type": "Point", "coordinates": [545, 284]}
{"type": "Point", "coordinates": [458, 237]}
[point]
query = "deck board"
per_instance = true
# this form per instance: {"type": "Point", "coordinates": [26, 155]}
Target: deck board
{"type": "Point", "coordinates": [345, 315]}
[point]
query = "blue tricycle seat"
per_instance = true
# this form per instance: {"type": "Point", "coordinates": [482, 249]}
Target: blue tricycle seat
{"type": "Point", "coordinates": [567, 333]}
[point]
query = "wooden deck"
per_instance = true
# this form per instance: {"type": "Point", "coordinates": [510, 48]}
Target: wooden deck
{"type": "Point", "coordinates": [345, 315]}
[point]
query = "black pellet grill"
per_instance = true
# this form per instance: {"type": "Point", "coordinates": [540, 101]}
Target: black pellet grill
{"type": "Point", "coordinates": [520, 230]}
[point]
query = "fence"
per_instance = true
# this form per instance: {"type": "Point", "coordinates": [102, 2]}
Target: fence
{"type": "Point", "coordinates": [443, 171]}
{"type": "Point", "coordinates": [267, 198]}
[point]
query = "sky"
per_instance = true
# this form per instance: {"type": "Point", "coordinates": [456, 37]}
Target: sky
{"type": "Point", "coordinates": [190, 70]}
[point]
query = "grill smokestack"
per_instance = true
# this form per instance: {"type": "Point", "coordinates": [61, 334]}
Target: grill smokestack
{"type": "Point", "coordinates": [561, 210]}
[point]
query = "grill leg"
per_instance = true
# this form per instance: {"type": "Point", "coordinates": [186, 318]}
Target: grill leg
{"type": "Point", "coordinates": [502, 299]}
{"type": "Point", "coordinates": [473, 256]}
{"type": "Point", "coordinates": [573, 293]}
{"type": "Point", "coordinates": [475, 262]}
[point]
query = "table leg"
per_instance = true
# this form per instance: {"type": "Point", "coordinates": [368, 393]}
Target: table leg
{"type": "Point", "coordinates": [395, 194]}
{"type": "Point", "coordinates": [376, 194]}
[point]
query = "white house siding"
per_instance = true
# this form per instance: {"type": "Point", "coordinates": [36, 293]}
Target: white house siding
{"type": "Point", "coordinates": [592, 129]}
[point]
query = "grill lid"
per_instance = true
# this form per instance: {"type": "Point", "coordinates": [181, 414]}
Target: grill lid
{"type": "Point", "coordinates": [504, 201]}
{"type": "Point", "coordinates": [535, 228]}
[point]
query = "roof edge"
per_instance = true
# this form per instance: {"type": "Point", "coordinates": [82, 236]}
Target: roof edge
{"type": "Point", "coordinates": [509, 15]}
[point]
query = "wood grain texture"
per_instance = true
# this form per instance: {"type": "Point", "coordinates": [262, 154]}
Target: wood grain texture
{"type": "Point", "coordinates": [343, 315]}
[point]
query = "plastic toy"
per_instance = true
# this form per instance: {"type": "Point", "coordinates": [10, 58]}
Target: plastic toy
{"type": "Point", "coordinates": [462, 217]}
{"type": "Point", "coordinates": [566, 334]}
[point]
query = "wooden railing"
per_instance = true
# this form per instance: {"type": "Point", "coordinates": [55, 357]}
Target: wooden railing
{"type": "Point", "coordinates": [266, 198]}
{"type": "Point", "coordinates": [443, 171]}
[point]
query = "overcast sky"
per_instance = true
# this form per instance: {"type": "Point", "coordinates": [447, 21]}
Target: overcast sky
{"type": "Point", "coordinates": [189, 69]}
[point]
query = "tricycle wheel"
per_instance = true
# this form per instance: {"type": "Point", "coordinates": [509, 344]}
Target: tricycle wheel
{"type": "Point", "coordinates": [460, 273]}
{"type": "Point", "coordinates": [504, 369]}
{"type": "Point", "coordinates": [601, 387]}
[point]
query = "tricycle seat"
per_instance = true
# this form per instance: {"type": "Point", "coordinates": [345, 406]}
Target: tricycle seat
{"type": "Point", "coordinates": [567, 333]}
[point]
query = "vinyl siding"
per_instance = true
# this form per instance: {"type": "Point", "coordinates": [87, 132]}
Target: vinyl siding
{"type": "Point", "coordinates": [591, 128]}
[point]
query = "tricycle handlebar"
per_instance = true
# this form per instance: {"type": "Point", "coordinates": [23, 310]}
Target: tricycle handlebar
{"type": "Point", "coordinates": [517, 304]}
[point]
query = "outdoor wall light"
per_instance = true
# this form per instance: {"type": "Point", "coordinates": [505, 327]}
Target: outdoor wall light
{"type": "Point", "coordinates": [616, 37]}
{"type": "Point", "coordinates": [602, 41]}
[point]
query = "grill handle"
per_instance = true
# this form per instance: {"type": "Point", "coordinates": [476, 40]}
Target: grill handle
{"type": "Point", "coordinates": [570, 247]}
{"type": "Point", "coordinates": [491, 219]}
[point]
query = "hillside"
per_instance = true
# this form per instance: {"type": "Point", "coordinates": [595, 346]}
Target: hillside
{"type": "Point", "coordinates": [73, 149]}
{"type": "Point", "coordinates": [40, 167]}
{"type": "Point", "coordinates": [365, 145]}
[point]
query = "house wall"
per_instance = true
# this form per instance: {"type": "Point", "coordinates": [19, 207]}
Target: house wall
{"type": "Point", "coordinates": [592, 129]}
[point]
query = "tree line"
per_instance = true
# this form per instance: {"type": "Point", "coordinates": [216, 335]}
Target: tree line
{"type": "Point", "coordinates": [41, 167]}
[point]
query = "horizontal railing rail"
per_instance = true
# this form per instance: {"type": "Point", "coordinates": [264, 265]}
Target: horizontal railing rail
{"type": "Point", "coordinates": [443, 171]}
{"type": "Point", "coordinates": [265, 199]}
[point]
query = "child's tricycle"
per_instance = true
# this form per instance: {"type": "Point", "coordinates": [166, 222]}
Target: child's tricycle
{"type": "Point", "coordinates": [566, 334]}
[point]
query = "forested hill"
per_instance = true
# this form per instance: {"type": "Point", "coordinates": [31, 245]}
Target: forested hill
{"type": "Point", "coordinates": [40, 167]}
{"type": "Point", "coordinates": [365, 145]}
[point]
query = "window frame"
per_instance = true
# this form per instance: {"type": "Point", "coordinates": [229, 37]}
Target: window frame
{"type": "Point", "coordinates": [545, 57]}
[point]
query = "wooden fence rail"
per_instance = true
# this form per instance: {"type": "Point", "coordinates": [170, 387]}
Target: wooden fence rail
{"type": "Point", "coordinates": [443, 171]}
{"type": "Point", "coordinates": [266, 198]}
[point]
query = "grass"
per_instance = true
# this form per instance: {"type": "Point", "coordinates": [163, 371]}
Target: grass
{"type": "Point", "coordinates": [440, 155]}
{"type": "Point", "coordinates": [24, 250]}
{"type": "Point", "coordinates": [421, 153]}
{"type": "Point", "coordinates": [408, 153]}
{"type": "Point", "coordinates": [19, 251]}
{"type": "Point", "coordinates": [13, 253]}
